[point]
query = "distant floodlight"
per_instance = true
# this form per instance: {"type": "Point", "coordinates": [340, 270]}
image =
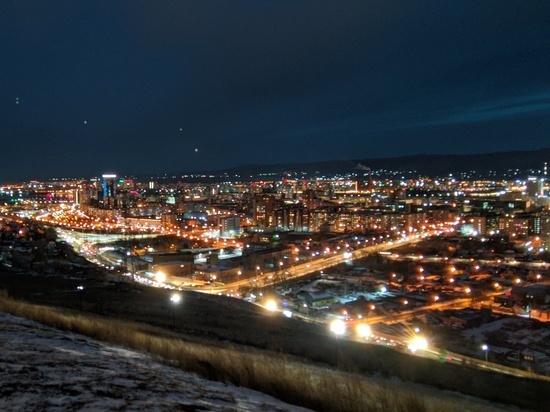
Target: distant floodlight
{"type": "Point", "coordinates": [418, 343]}
{"type": "Point", "coordinates": [363, 330]}
{"type": "Point", "coordinates": [338, 327]}
{"type": "Point", "coordinates": [160, 277]}
{"type": "Point", "coordinates": [271, 305]}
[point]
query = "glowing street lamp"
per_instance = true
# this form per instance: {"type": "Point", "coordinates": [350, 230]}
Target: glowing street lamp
{"type": "Point", "coordinates": [212, 284]}
{"type": "Point", "coordinates": [175, 299]}
{"type": "Point", "coordinates": [485, 348]}
{"type": "Point", "coordinates": [338, 327]}
{"type": "Point", "coordinates": [160, 277]}
{"type": "Point", "coordinates": [418, 343]}
{"type": "Point", "coordinates": [80, 290]}
{"type": "Point", "coordinates": [363, 330]}
{"type": "Point", "coordinates": [271, 305]}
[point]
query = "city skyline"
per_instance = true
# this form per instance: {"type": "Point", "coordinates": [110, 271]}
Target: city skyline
{"type": "Point", "coordinates": [137, 87]}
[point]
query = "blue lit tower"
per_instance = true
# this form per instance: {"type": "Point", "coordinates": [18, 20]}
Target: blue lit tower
{"type": "Point", "coordinates": [108, 189]}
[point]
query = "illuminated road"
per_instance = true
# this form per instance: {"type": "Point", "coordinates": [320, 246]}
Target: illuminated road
{"type": "Point", "coordinates": [79, 239]}
{"type": "Point", "coordinates": [406, 341]}
{"type": "Point", "coordinates": [322, 263]}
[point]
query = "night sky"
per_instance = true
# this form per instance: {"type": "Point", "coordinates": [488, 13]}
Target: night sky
{"type": "Point", "coordinates": [88, 87]}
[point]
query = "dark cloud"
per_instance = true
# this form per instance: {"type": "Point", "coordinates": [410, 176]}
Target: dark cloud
{"type": "Point", "coordinates": [269, 81]}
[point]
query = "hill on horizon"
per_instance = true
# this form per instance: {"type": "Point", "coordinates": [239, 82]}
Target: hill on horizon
{"type": "Point", "coordinates": [483, 164]}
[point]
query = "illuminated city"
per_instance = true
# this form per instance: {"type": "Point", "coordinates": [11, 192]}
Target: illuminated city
{"type": "Point", "coordinates": [455, 270]}
{"type": "Point", "coordinates": [279, 206]}
{"type": "Point", "coordinates": [314, 248]}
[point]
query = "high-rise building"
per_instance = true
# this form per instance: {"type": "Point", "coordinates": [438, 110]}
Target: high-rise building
{"type": "Point", "coordinates": [108, 190]}
{"type": "Point", "coordinates": [535, 186]}
{"type": "Point", "coordinates": [264, 205]}
{"type": "Point", "coordinates": [310, 199]}
{"type": "Point", "coordinates": [230, 226]}
{"type": "Point", "coordinates": [109, 185]}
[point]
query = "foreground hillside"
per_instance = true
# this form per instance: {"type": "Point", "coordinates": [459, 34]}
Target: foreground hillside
{"type": "Point", "coordinates": [376, 378]}
{"type": "Point", "coordinates": [42, 368]}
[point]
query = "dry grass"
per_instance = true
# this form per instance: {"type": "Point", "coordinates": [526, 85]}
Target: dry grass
{"type": "Point", "coordinates": [278, 375]}
{"type": "Point", "coordinates": [286, 377]}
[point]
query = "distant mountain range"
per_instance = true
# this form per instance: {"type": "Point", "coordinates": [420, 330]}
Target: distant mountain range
{"type": "Point", "coordinates": [483, 165]}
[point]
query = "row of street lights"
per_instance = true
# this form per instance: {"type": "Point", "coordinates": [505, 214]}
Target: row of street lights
{"type": "Point", "coordinates": [337, 327]}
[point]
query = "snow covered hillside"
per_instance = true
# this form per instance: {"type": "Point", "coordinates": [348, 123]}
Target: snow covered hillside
{"type": "Point", "coordinates": [42, 368]}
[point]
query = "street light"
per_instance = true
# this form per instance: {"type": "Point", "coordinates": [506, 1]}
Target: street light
{"type": "Point", "coordinates": [160, 277]}
{"type": "Point", "coordinates": [338, 327]}
{"type": "Point", "coordinates": [485, 348]}
{"type": "Point", "coordinates": [418, 343]}
{"type": "Point", "coordinates": [80, 290]}
{"type": "Point", "coordinates": [175, 299]}
{"type": "Point", "coordinates": [363, 330]}
{"type": "Point", "coordinates": [212, 284]}
{"type": "Point", "coordinates": [271, 305]}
